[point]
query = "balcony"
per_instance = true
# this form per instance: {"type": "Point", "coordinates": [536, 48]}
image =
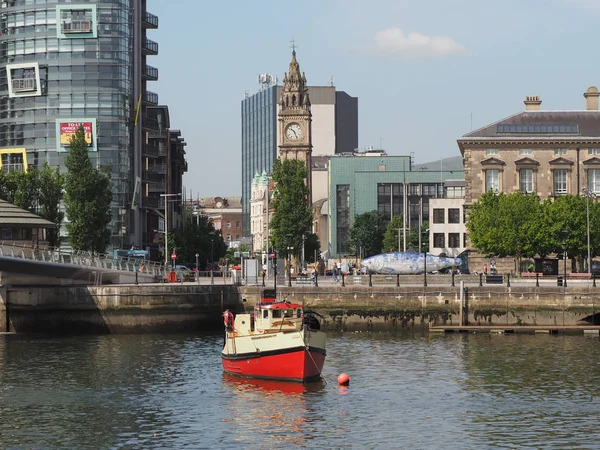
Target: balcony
{"type": "Point", "coordinates": [157, 169]}
{"type": "Point", "coordinates": [150, 149]}
{"type": "Point", "coordinates": [152, 202]}
{"type": "Point", "coordinates": [151, 73]}
{"type": "Point", "coordinates": [24, 85]}
{"type": "Point", "coordinates": [155, 186]}
{"type": "Point", "coordinates": [76, 26]}
{"type": "Point", "coordinates": [151, 98]}
{"type": "Point", "coordinates": [150, 47]}
{"type": "Point", "coordinates": [150, 123]}
{"type": "Point", "coordinates": [150, 21]}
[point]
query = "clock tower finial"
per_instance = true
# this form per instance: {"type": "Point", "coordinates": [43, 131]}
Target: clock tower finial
{"type": "Point", "coordinates": [295, 118]}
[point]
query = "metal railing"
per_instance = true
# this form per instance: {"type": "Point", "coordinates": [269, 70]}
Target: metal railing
{"type": "Point", "coordinates": [151, 46]}
{"type": "Point", "coordinates": [79, 258]}
{"type": "Point", "coordinates": [151, 19]}
{"type": "Point", "coordinates": [151, 72]}
{"type": "Point", "coordinates": [77, 26]}
{"type": "Point", "coordinates": [23, 84]}
{"type": "Point", "coordinates": [151, 97]}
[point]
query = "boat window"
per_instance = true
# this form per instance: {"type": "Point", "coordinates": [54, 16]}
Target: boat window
{"type": "Point", "coordinates": [298, 313]}
{"type": "Point", "coordinates": [289, 313]}
{"type": "Point", "coordinates": [265, 314]}
{"type": "Point", "coordinates": [276, 313]}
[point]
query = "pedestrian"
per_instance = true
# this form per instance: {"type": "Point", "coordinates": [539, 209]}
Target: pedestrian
{"type": "Point", "coordinates": [335, 272]}
{"type": "Point", "coordinates": [485, 269]}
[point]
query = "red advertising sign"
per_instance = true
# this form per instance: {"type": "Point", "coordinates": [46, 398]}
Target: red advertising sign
{"type": "Point", "coordinates": [68, 129]}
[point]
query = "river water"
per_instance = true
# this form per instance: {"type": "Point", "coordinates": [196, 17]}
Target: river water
{"type": "Point", "coordinates": [412, 390]}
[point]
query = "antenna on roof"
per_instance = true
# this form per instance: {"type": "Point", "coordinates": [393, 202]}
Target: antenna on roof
{"type": "Point", "coordinates": [331, 81]}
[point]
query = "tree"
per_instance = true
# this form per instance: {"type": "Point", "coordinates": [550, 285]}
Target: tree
{"type": "Point", "coordinates": [292, 217]}
{"type": "Point", "coordinates": [393, 234]}
{"type": "Point", "coordinates": [366, 234]}
{"type": "Point", "coordinates": [88, 196]}
{"type": "Point", "coordinates": [51, 184]}
{"type": "Point", "coordinates": [197, 236]}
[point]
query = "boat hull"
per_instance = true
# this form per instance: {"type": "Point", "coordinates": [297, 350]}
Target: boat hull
{"type": "Point", "coordinates": [276, 356]}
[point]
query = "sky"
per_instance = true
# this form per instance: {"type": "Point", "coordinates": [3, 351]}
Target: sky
{"type": "Point", "coordinates": [425, 72]}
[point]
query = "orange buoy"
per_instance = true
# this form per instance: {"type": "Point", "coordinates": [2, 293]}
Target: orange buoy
{"type": "Point", "coordinates": [343, 379]}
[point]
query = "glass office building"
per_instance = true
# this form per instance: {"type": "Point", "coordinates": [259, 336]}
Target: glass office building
{"type": "Point", "coordinates": [66, 63]}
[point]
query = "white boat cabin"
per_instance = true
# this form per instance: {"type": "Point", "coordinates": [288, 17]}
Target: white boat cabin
{"type": "Point", "coordinates": [269, 318]}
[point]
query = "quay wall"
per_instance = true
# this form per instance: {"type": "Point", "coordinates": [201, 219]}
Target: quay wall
{"type": "Point", "coordinates": [189, 307]}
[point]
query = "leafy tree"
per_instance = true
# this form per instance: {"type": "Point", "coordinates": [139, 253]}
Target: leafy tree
{"type": "Point", "coordinates": [51, 184]}
{"type": "Point", "coordinates": [413, 241]}
{"type": "Point", "coordinates": [505, 225]}
{"type": "Point", "coordinates": [393, 234]}
{"type": "Point", "coordinates": [312, 246]}
{"type": "Point", "coordinates": [367, 233]}
{"type": "Point", "coordinates": [197, 236]}
{"type": "Point", "coordinates": [292, 217]}
{"type": "Point", "coordinates": [27, 189]}
{"type": "Point", "coordinates": [88, 195]}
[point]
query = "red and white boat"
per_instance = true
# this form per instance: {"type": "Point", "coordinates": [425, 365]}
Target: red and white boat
{"type": "Point", "coordinates": [278, 341]}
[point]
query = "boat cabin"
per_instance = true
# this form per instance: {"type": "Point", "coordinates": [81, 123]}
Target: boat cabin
{"type": "Point", "coordinates": [270, 317]}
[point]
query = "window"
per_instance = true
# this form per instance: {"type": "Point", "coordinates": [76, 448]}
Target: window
{"type": "Point", "coordinates": [465, 238]}
{"type": "Point", "coordinates": [492, 180]}
{"type": "Point", "coordinates": [566, 128]}
{"type": "Point", "coordinates": [594, 180]}
{"type": "Point", "coordinates": [237, 223]}
{"type": "Point", "coordinates": [491, 151]}
{"type": "Point", "coordinates": [228, 224]}
{"type": "Point", "coordinates": [438, 215]}
{"type": "Point", "coordinates": [526, 180]}
{"type": "Point", "coordinates": [455, 192]}
{"type": "Point", "coordinates": [229, 237]}
{"type": "Point", "coordinates": [594, 151]}
{"type": "Point", "coordinates": [438, 240]}
{"type": "Point", "coordinates": [560, 151]}
{"type": "Point", "coordinates": [453, 240]}
{"type": "Point", "coordinates": [526, 151]}
{"type": "Point", "coordinates": [560, 181]}
{"type": "Point", "coordinates": [453, 215]}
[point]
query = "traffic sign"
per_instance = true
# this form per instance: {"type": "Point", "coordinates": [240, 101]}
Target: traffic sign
{"type": "Point", "coordinates": [173, 256]}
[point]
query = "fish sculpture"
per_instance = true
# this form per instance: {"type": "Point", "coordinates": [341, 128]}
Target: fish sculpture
{"type": "Point", "coordinates": [412, 263]}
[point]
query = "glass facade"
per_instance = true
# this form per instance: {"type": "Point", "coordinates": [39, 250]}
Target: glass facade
{"type": "Point", "coordinates": [82, 55]}
{"type": "Point", "coordinates": [259, 143]}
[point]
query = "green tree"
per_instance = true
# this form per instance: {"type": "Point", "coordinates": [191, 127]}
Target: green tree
{"type": "Point", "coordinates": [366, 234]}
{"type": "Point", "coordinates": [393, 234]}
{"type": "Point", "coordinates": [292, 217]}
{"type": "Point", "coordinates": [197, 236]}
{"type": "Point", "coordinates": [27, 189]}
{"type": "Point", "coordinates": [51, 183]}
{"type": "Point", "coordinates": [88, 195]}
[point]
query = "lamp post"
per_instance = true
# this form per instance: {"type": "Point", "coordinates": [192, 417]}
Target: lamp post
{"type": "Point", "coordinates": [587, 193]}
{"type": "Point", "coordinates": [197, 273]}
{"type": "Point", "coordinates": [212, 241]}
{"type": "Point", "coordinates": [425, 260]}
{"type": "Point", "coordinates": [565, 233]}
{"type": "Point", "coordinates": [167, 225]}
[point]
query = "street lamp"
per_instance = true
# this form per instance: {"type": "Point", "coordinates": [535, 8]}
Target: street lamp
{"type": "Point", "coordinates": [425, 232]}
{"type": "Point", "coordinates": [565, 233]}
{"type": "Point", "coordinates": [212, 262]}
{"type": "Point", "coordinates": [587, 193]}
{"type": "Point", "coordinates": [167, 225]}
{"type": "Point", "coordinates": [197, 273]}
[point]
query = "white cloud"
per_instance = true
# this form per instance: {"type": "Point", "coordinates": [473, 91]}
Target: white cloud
{"type": "Point", "coordinates": [394, 41]}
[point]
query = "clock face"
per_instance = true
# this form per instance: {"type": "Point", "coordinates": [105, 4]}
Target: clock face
{"type": "Point", "coordinates": [293, 132]}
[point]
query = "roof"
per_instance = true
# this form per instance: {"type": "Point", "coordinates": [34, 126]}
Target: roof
{"type": "Point", "coordinates": [13, 215]}
{"type": "Point", "coordinates": [586, 122]}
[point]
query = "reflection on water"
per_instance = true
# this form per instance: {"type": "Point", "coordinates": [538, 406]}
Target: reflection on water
{"type": "Point", "coordinates": [408, 390]}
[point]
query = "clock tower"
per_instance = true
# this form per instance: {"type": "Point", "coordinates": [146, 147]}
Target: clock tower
{"type": "Point", "coordinates": [295, 129]}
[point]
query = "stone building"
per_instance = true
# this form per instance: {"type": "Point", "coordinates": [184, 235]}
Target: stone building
{"type": "Point", "coordinates": [549, 153]}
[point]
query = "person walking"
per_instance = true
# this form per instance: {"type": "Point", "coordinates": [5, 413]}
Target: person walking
{"type": "Point", "coordinates": [335, 272]}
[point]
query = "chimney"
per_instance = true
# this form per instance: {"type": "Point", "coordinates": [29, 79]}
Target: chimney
{"type": "Point", "coordinates": [532, 103]}
{"type": "Point", "coordinates": [591, 98]}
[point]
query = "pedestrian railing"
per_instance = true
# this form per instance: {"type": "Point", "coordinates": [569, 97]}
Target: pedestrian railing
{"type": "Point", "coordinates": [79, 258]}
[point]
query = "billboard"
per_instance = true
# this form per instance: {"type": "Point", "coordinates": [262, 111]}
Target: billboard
{"type": "Point", "coordinates": [66, 128]}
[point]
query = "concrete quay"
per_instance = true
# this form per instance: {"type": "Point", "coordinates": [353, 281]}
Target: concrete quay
{"type": "Point", "coordinates": [197, 306]}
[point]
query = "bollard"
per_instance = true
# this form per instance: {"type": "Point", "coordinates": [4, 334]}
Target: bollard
{"type": "Point", "coordinates": [136, 278]}
{"type": "Point", "coordinates": [398, 280]}
{"type": "Point", "coordinates": [480, 279]}
{"type": "Point", "coordinates": [263, 277]}
{"type": "Point", "coordinates": [466, 313]}
{"type": "Point", "coordinates": [316, 279]}
{"type": "Point", "coordinates": [594, 280]}
{"type": "Point", "coordinates": [508, 280]}
{"type": "Point", "coordinates": [537, 279]}
{"type": "Point", "coordinates": [370, 280]}
{"type": "Point", "coordinates": [452, 279]}
{"type": "Point", "coordinates": [343, 280]}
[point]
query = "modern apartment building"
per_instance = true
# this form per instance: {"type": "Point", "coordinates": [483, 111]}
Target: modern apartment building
{"type": "Point", "coordinates": [334, 130]}
{"type": "Point", "coordinates": [69, 63]}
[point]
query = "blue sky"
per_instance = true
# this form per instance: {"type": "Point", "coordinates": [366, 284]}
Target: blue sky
{"type": "Point", "coordinates": [423, 70]}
